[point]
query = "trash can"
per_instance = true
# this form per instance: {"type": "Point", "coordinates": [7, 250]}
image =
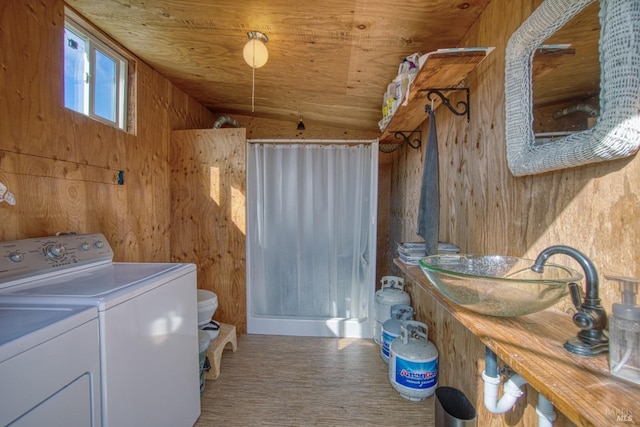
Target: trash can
{"type": "Point", "coordinates": [203, 346]}
{"type": "Point", "coordinates": [453, 409]}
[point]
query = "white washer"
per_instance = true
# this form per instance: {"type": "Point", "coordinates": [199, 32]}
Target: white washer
{"type": "Point", "coordinates": [147, 315]}
{"type": "Point", "coordinates": [42, 382]}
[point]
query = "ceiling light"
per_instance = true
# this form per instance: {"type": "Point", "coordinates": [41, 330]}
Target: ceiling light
{"type": "Point", "coordinates": [300, 123]}
{"type": "Point", "coordinates": [255, 52]}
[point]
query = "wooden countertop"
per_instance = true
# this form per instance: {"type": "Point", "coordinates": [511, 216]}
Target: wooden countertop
{"type": "Point", "coordinates": [581, 388]}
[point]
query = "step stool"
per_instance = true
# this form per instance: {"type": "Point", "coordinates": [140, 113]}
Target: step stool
{"type": "Point", "coordinates": [226, 336]}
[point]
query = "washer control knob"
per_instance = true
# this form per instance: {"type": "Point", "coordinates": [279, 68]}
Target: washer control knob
{"type": "Point", "coordinates": [16, 256]}
{"type": "Point", "coordinates": [99, 244]}
{"type": "Point", "coordinates": [85, 246]}
{"type": "Point", "coordinates": [56, 251]}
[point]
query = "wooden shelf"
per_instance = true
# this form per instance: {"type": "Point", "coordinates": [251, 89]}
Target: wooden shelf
{"type": "Point", "coordinates": [580, 387]}
{"type": "Point", "coordinates": [441, 70]}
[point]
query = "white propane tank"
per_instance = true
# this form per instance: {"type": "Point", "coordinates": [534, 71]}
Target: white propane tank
{"type": "Point", "coordinates": [391, 327]}
{"type": "Point", "coordinates": [391, 293]}
{"type": "Point", "coordinates": [413, 362]}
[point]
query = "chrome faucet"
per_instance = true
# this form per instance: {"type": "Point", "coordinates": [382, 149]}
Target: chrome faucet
{"type": "Point", "coordinates": [590, 316]}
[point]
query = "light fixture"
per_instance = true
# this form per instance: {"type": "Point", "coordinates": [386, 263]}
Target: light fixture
{"type": "Point", "coordinates": [300, 123]}
{"type": "Point", "coordinates": [255, 52]}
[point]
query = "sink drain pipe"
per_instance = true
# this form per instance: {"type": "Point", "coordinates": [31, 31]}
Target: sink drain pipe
{"type": "Point", "coordinates": [511, 392]}
{"type": "Point", "coordinates": [491, 377]}
{"type": "Point", "coordinates": [545, 411]}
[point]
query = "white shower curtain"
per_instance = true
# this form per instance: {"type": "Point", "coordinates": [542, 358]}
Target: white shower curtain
{"type": "Point", "coordinates": [311, 227]}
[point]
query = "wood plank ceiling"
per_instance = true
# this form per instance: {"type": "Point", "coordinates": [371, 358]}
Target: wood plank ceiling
{"type": "Point", "coordinates": [328, 60]}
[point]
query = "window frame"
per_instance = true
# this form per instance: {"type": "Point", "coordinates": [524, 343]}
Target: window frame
{"type": "Point", "coordinates": [96, 42]}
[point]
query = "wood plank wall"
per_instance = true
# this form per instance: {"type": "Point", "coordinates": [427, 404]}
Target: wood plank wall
{"type": "Point", "coordinates": [60, 165]}
{"type": "Point", "coordinates": [208, 214]}
{"type": "Point", "coordinates": [484, 209]}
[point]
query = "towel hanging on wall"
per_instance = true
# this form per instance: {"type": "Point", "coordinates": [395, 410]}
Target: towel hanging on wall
{"type": "Point", "coordinates": [429, 208]}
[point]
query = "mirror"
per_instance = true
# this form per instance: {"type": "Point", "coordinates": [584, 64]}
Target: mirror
{"type": "Point", "coordinates": [566, 78]}
{"type": "Point", "coordinates": [616, 132]}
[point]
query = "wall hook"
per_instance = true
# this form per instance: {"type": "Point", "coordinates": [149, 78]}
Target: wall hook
{"type": "Point", "coordinates": [463, 107]}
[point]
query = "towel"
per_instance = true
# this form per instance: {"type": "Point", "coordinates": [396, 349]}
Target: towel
{"type": "Point", "coordinates": [429, 208]}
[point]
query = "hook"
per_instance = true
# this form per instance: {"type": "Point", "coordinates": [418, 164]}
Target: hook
{"type": "Point", "coordinates": [428, 109]}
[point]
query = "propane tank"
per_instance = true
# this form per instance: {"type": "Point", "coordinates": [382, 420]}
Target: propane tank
{"type": "Point", "coordinates": [391, 327]}
{"type": "Point", "coordinates": [391, 293]}
{"type": "Point", "coordinates": [413, 362]}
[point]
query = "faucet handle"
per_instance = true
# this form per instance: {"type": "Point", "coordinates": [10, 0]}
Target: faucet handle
{"type": "Point", "coordinates": [582, 319]}
{"type": "Point", "coordinates": [576, 298]}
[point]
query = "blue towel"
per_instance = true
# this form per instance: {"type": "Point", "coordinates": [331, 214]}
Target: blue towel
{"type": "Point", "coordinates": [429, 208]}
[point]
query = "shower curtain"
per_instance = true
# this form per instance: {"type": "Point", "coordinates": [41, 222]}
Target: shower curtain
{"type": "Point", "coordinates": [311, 233]}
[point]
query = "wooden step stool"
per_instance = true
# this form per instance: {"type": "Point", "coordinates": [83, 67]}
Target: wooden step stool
{"type": "Point", "coordinates": [226, 336]}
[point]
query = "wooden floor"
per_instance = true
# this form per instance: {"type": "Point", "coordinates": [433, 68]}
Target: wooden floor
{"type": "Point", "coordinates": [300, 381]}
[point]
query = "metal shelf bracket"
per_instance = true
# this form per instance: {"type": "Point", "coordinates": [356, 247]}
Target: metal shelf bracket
{"type": "Point", "coordinates": [462, 106]}
{"type": "Point", "coordinates": [406, 137]}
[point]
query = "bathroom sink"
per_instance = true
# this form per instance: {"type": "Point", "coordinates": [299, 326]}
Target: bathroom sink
{"type": "Point", "coordinates": [498, 285]}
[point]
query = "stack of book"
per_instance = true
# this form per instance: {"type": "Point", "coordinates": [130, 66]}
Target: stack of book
{"type": "Point", "coordinates": [411, 252]}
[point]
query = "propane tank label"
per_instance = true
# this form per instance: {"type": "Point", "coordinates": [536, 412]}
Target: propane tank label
{"type": "Point", "coordinates": [416, 375]}
{"type": "Point", "coordinates": [387, 338]}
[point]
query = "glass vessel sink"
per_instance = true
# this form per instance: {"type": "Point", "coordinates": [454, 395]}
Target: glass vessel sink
{"type": "Point", "coordinates": [498, 285]}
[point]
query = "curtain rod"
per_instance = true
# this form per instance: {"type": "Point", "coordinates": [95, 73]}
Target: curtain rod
{"type": "Point", "coordinates": [311, 141]}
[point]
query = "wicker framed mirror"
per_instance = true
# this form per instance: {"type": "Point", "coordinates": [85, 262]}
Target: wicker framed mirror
{"type": "Point", "coordinates": [617, 132]}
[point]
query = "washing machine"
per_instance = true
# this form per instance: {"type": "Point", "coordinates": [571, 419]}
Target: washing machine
{"type": "Point", "coordinates": [49, 365]}
{"type": "Point", "coordinates": [147, 321]}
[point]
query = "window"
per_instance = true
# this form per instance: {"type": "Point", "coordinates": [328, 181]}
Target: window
{"type": "Point", "coordinates": [95, 76]}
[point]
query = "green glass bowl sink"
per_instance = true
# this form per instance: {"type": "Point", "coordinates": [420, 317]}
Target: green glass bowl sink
{"type": "Point", "coordinates": [498, 285]}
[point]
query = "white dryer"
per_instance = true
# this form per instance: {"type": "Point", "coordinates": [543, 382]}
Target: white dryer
{"type": "Point", "coordinates": [147, 316]}
{"type": "Point", "coordinates": [49, 365]}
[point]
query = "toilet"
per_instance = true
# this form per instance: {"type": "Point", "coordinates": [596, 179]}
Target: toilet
{"type": "Point", "coordinates": [207, 305]}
